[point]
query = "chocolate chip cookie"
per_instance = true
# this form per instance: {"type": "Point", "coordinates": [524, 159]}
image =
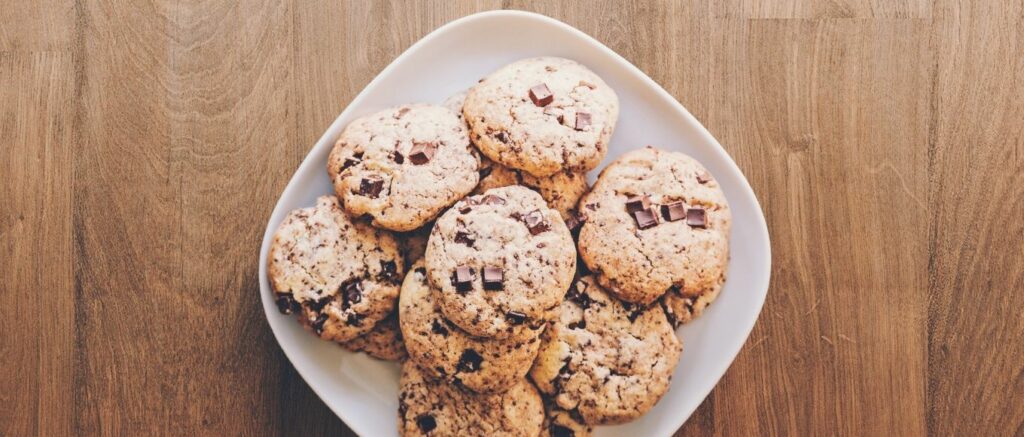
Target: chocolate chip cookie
{"type": "Point", "coordinates": [383, 342]}
{"type": "Point", "coordinates": [436, 408]}
{"type": "Point", "coordinates": [606, 360]}
{"type": "Point", "coordinates": [561, 190]}
{"type": "Point", "coordinates": [542, 115]}
{"type": "Point", "coordinates": [403, 166]}
{"type": "Point", "coordinates": [341, 276]}
{"type": "Point", "coordinates": [500, 260]}
{"type": "Point", "coordinates": [656, 221]}
{"type": "Point", "coordinates": [446, 352]}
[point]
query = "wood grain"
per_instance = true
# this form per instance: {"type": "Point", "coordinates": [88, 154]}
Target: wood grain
{"type": "Point", "coordinates": [145, 144]}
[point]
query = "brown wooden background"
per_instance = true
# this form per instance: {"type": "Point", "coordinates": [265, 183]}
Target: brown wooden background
{"type": "Point", "coordinates": [143, 145]}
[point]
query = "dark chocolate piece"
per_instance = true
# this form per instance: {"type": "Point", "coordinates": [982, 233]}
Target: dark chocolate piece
{"type": "Point", "coordinates": [388, 271]}
{"type": "Point", "coordinates": [397, 157]}
{"type": "Point", "coordinates": [646, 218]}
{"type": "Point", "coordinates": [371, 186]}
{"type": "Point", "coordinates": [464, 239]}
{"type": "Point", "coordinates": [470, 361]}
{"type": "Point", "coordinates": [637, 203]}
{"type": "Point", "coordinates": [494, 278]}
{"type": "Point", "coordinates": [673, 211]}
{"type": "Point", "coordinates": [535, 222]}
{"type": "Point", "coordinates": [421, 153]}
{"type": "Point", "coordinates": [438, 328]}
{"type": "Point", "coordinates": [696, 217]}
{"type": "Point", "coordinates": [582, 120]}
{"type": "Point", "coordinates": [426, 422]}
{"type": "Point", "coordinates": [286, 303]}
{"type": "Point", "coordinates": [703, 177]}
{"type": "Point", "coordinates": [515, 317]}
{"type": "Point", "coordinates": [351, 292]}
{"type": "Point", "coordinates": [462, 279]}
{"type": "Point", "coordinates": [541, 95]}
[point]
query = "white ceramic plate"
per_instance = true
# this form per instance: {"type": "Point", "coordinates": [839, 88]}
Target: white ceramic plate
{"type": "Point", "coordinates": [364, 392]}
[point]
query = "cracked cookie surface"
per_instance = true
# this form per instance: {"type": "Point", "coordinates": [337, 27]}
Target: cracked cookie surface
{"type": "Point", "coordinates": [383, 342]}
{"type": "Point", "coordinates": [542, 115]}
{"type": "Point", "coordinates": [606, 360]}
{"type": "Point", "coordinates": [341, 276]}
{"type": "Point", "coordinates": [403, 166]}
{"type": "Point", "coordinates": [437, 408]}
{"type": "Point", "coordinates": [446, 352]}
{"type": "Point", "coordinates": [679, 245]}
{"type": "Point", "coordinates": [510, 236]}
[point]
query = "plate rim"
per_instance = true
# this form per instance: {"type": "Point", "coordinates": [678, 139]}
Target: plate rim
{"type": "Point", "coordinates": [278, 212]}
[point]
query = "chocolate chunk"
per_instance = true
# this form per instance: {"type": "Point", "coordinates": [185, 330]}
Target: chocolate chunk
{"type": "Point", "coordinates": [318, 323]}
{"type": "Point", "coordinates": [579, 295]}
{"type": "Point", "coordinates": [469, 361]}
{"type": "Point", "coordinates": [582, 120]}
{"type": "Point", "coordinates": [515, 317]}
{"type": "Point", "coordinates": [351, 292]}
{"type": "Point", "coordinates": [646, 218]}
{"type": "Point", "coordinates": [318, 305]}
{"type": "Point", "coordinates": [677, 288]}
{"type": "Point", "coordinates": [438, 328]}
{"type": "Point", "coordinates": [561, 431]}
{"type": "Point", "coordinates": [637, 203]}
{"type": "Point", "coordinates": [421, 153]}
{"type": "Point", "coordinates": [371, 186]}
{"type": "Point", "coordinates": [286, 303]}
{"type": "Point", "coordinates": [464, 239]}
{"type": "Point", "coordinates": [633, 310]}
{"type": "Point", "coordinates": [541, 95]}
{"type": "Point", "coordinates": [462, 279]}
{"type": "Point", "coordinates": [486, 171]}
{"type": "Point", "coordinates": [703, 177]}
{"type": "Point", "coordinates": [535, 222]}
{"type": "Point", "coordinates": [465, 209]}
{"type": "Point", "coordinates": [354, 319]}
{"type": "Point", "coordinates": [388, 271]}
{"type": "Point", "coordinates": [673, 211]}
{"type": "Point", "coordinates": [402, 112]}
{"type": "Point", "coordinates": [502, 136]}
{"type": "Point", "coordinates": [491, 199]}
{"type": "Point", "coordinates": [581, 324]}
{"type": "Point", "coordinates": [397, 157]}
{"type": "Point", "coordinates": [494, 278]}
{"type": "Point", "coordinates": [696, 217]}
{"type": "Point", "coordinates": [356, 158]}
{"type": "Point", "coordinates": [426, 422]}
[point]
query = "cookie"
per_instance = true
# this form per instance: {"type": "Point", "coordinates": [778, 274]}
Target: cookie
{"type": "Point", "coordinates": [403, 166]}
{"type": "Point", "coordinates": [542, 115]}
{"type": "Point", "coordinates": [500, 260]}
{"type": "Point", "coordinates": [341, 276]}
{"type": "Point", "coordinates": [446, 352]}
{"type": "Point", "coordinates": [562, 190]}
{"type": "Point", "coordinates": [383, 342]}
{"type": "Point", "coordinates": [561, 423]}
{"type": "Point", "coordinates": [605, 360]}
{"type": "Point", "coordinates": [655, 221]}
{"type": "Point", "coordinates": [436, 408]}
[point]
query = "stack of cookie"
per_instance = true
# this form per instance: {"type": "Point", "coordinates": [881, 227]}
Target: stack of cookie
{"type": "Point", "coordinates": [463, 240]}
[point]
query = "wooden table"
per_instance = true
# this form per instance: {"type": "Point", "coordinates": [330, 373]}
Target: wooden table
{"type": "Point", "coordinates": [145, 143]}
